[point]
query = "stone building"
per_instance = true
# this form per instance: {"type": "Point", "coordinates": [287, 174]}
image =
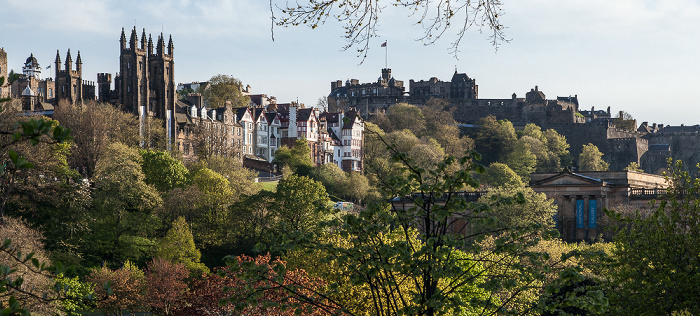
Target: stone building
{"type": "Point", "coordinates": [4, 87]}
{"type": "Point", "coordinates": [366, 97]}
{"type": "Point", "coordinates": [145, 85]}
{"type": "Point", "coordinates": [581, 197]}
{"type": "Point", "coordinates": [461, 87]}
{"type": "Point", "coordinates": [70, 85]}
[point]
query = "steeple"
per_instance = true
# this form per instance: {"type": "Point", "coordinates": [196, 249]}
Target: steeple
{"type": "Point", "coordinates": [161, 45]}
{"type": "Point", "coordinates": [143, 39]}
{"type": "Point", "coordinates": [78, 63]}
{"type": "Point", "coordinates": [69, 61]}
{"type": "Point", "coordinates": [122, 40]}
{"type": "Point", "coordinates": [58, 62]}
{"type": "Point", "coordinates": [150, 45]}
{"type": "Point", "coordinates": [171, 48]}
{"type": "Point", "coordinates": [132, 42]}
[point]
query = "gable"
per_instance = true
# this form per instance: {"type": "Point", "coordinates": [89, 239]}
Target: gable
{"type": "Point", "coordinates": [569, 180]}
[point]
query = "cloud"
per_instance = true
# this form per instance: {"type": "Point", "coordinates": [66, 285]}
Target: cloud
{"type": "Point", "coordinates": [59, 16]}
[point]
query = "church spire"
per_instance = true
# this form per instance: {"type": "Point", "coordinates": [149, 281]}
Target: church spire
{"type": "Point", "coordinates": [171, 48]}
{"type": "Point", "coordinates": [58, 61]}
{"type": "Point", "coordinates": [132, 42]}
{"type": "Point", "coordinates": [122, 40]}
{"type": "Point", "coordinates": [143, 39]}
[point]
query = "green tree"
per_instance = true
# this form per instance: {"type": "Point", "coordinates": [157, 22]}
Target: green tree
{"type": "Point", "coordinates": [634, 166]}
{"type": "Point", "coordinates": [178, 247]}
{"type": "Point", "coordinates": [241, 180]}
{"type": "Point", "coordinates": [495, 139]}
{"type": "Point", "coordinates": [300, 205]}
{"type": "Point", "coordinates": [557, 145]}
{"type": "Point", "coordinates": [521, 159]}
{"type": "Point", "coordinates": [211, 217]}
{"type": "Point", "coordinates": [223, 88]}
{"type": "Point", "coordinates": [163, 171]}
{"type": "Point", "coordinates": [534, 208]}
{"type": "Point", "coordinates": [125, 205]}
{"type": "Point", "coordinates": [500, 175]}
{"type": "Point", "coordinates": [406, 116]}
{"type": "Point", "coordinates": [591, 159]}
{"type": "Point", "coordinates": [657, 254]}
{"type": "Point", "coordinates": [298, 158]}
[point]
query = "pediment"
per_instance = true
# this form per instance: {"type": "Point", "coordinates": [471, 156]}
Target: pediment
{"type": "Point", "coordinates": [569, 179]}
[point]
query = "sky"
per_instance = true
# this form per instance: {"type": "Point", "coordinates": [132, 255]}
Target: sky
{"type": "Point", "coordinates": [638, 56]}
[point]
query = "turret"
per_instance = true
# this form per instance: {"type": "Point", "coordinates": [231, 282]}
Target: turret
{"type": "Point", "coordinates": [58, 62]}
{"type": "Point", "coordinates": [122, 40]}
{"type": "Point", "coordinates": [143, 39]}
{"type": "Point", "coordinates": [78, 63]}
{"type": "Point", "coordinates": [171, 48]}
{"type": "Point", "coordinates": [150, 45]}
{"type": "Point", "coordinates": [132, 42]}
{"type": "Point", "coordinates": [69, 61]}
{"type": "Point", "coordinates": [160, 46]}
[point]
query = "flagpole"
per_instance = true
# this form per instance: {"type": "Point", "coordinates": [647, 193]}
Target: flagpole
{"type": "Point", "coordinates": [386, 55]}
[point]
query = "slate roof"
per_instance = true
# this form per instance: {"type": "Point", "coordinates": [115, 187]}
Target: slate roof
{"type": "Point", "coordinates": [659, 147]}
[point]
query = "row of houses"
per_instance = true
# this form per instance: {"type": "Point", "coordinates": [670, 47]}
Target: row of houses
{"type": "Point", "coordinates": [254, 133]}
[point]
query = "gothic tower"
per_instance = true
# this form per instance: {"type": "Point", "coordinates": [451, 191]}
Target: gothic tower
{"type": "Point", "coordinates": [147, 80]}
{"type": "Point", "coordinates": [69, 82]}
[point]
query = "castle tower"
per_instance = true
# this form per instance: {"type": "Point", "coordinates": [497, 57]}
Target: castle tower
{"type": "Point", "coordinates": [31, 69]}
{"type": "Point", "coordinates": [4, 88]}
{"type": "Point", "coordinates": [69, 82]}
{"type": "Point", "coordinates": [104, 84]}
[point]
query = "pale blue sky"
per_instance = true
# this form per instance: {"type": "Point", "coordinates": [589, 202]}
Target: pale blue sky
{"type": "Point", "coordinates": [634, 55]}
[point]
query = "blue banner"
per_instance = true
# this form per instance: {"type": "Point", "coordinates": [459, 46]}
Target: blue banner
{"type": "Point", "coordinates": [592, 208]}
{"type": "Point", "coordinates": [579, 213]}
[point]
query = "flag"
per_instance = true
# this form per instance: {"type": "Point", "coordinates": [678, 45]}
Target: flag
{"type": "Point", "coordinates": [48, 67]}
{"type": "Point", "coordinates": [384, 44]}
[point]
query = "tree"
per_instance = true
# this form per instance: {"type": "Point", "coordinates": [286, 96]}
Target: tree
{"type": "Point", "coordinates": [298, 158]}
{"type": "Point", "coordinates": [591, 159]}
{"type": "Point", "coordinates": [500, 175]}
{"type": "Point", "coordinates": [360, 19]}
{"type": "Point", "coordinates": [163, 171]}
{"type": "Point", "coordinates": [178, 247]}
{"type": "Point", "coordinates": [657, 255]}
{"type": "Point", "coordinates": [557, 145]}
{"type": "Point", "coordinates": [222, 88]}
{"type": "Point", "coordinates": [495, 139]}
{"type": "Point", "coordinates": [211, 216]}
{"type": "Point", "coordinates": [166, 286]}
{"type": "Point", "coordinates": [522, 160]}
{"type": "Point", "coordinates": [241, 180]}
{"type": "Point", "coordinates": [634, 166]}
{"type": "Point", "coordinates": [124, 291]}
{"type": "Point", "coordinates": [406, 116]}
{"type": "Point", "coordinates": [125, 206]}
{"type": "Point", "coordinates": [535, 208]}
{"type": "Point", "coordinates": [432, 268]}
{"type": "Point", "coordinates": [300, 205]}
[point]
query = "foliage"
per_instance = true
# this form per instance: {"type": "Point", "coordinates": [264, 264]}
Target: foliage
{"type": "Point", "coordinates": [360, 19]}
{"type": "Point", "coordinates": [521, 159]}
{"type": "Point", "coordinates": [271, 294]}
{"type": "Point", "coordinates": [298, 158]}
{"type": "Point", "coordinates": [75, 294]}
{"type": "Point", "coordinates": [634, 166]}
{"type": "Point", "coordinates": [166, 286]}
{"type": "Point", "coordinates": [500, 175]}
{"type": "Point", "coordinates": [495, 139]}
{"type": "Point", "coordinates": [125, 206]}
{"type": "Point", "coordinates": [591, 159]}
{"type": "Point", "coordinates": [178, 247]}
{"type": "Point", "coordinates": [223, 88]}
{"type": "Point", "coordinates": [241, 180]}
{"type": "Point", "coordinates": [657, 254]}
{"type": "Point", "coordinates": [503, 214]}
{"type": "Point", "coordinates": [119, 289]}
{"type": "Point", "coordinates": [162, 171]}
{"type": "Point", "coordinates": [300, 204]}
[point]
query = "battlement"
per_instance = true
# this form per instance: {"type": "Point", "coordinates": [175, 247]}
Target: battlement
{"type": "Point", "coordinates": [104, 78]}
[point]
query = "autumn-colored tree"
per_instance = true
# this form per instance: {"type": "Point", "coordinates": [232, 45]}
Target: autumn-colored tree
{"type": "Point", "coordinates": [127, 285]}
{"type": "Point", "coordinates": [166, 286]}
{"type": "Point", "coordinates": [271, 293]}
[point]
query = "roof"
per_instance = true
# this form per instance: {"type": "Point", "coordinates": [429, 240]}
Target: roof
{"type": "Point", "coordinates": [304, 114]}
{"type": "Point", "coordinates": [31, 60]}
{"type": "Point", "coordinates": [659, 147]}
{"type": "Point", "coordinates": [566, 177]}
{"type": "Point", "coordinates": [351, 118]}
{"type": "Point", "coordinates": [28, 92]}
{"type": "Point", "coordinates": [457, 77]}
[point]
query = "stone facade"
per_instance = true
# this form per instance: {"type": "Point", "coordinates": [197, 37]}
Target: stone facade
{"type": "Point", "coordinates": [366, 97]}
{"type": "Point", "coordinates": [145, 85]}
{"type": "Point", "coordinates": [581, 197]}
{"type": "Point", "coordinates": [70, 85]}
{"type": "Point", "coordinates": [5, 87]}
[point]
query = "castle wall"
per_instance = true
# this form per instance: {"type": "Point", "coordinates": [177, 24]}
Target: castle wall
{"type": "Point", "coordinates": [4, 88]}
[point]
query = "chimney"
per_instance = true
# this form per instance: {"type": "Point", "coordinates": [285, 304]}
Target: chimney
{"type": "Point", "coordinates": [292, 131]}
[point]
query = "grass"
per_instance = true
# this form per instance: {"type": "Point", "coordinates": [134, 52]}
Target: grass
{"type": "Point", "coordinates": [268, 186]}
